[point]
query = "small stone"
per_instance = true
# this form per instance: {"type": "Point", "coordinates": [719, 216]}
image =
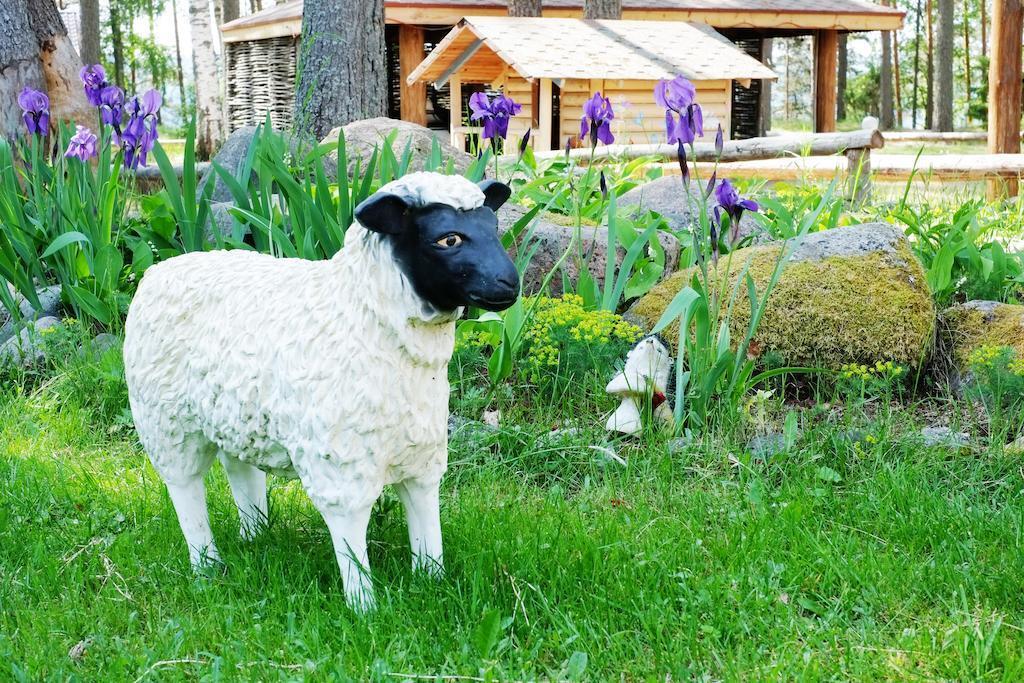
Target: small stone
{"type": "Point", "coordinates": [944, 437]}
{"type": "Point", "coordinates": [27, 348]}
{"type": "Point", "coordinates": [78, 650]}
{"type": "Point", "coordinates": [679, 445]}
{"type": "Point", "coordinates": [767, 446]}
{"type": "Point", "coordinates": [1015, 447]}
{"type": "Point", "coordinates": [104, 341]}
{"type": "Point", "coordinates": [492, 418]}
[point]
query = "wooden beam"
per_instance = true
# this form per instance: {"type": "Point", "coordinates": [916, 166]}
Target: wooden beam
{"type": "Point", "coordinates": [826, 80]}
{"type": "Point", "coordinates": [466, 55]}
{"type": "Point", "coordinates": [1004, 87]}
{"type": "Point", "coordinates": [458, 139]}
{"type": "Point", "coordinates": [413, 98]}
{"type": "Point", "coordinates": [542, 136]}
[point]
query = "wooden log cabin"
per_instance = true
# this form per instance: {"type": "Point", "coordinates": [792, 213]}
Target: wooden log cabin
{"type": "Point", "coordinates": [260, 49]}
{"type": "Point", "coordinates": [552, 66]}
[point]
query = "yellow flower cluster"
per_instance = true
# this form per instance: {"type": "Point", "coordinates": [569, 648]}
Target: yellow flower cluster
{"type": "Point", "coordinates": [880, 370]}
{"type": "Point", "coordinates": [567, 313]}
{"type": "Point", "coordinates": [986, 355]}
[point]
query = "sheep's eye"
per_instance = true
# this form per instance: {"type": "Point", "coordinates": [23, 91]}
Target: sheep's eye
{"type": "Point", "coordinates": [449, 241]}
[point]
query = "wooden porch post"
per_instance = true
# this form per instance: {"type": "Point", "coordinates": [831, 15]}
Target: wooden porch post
{"type": "Point", "coordinates": [1004, 87]}
{"type": "Point", "coordinates": [458, 138]}
{"type": "Point", "coordinates": [413, 98]}
{"type": "Point", "coordinates": [542, 138]}
{"type": "Point", "coordinates": [826, 81]}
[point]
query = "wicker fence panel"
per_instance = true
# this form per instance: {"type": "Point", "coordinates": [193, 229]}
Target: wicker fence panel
{"type": "Point", "coordinates": [261, 81]}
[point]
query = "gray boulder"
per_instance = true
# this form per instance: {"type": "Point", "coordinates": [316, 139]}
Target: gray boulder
{"type": "Point", "coordinates": [552, 239]}
{"type": "Point", "coordinates": [362, 137]}
{"type": "Point", "coordinates": [27, 348]}
{"type": "Point", "coordinates": [232, 155]}
{"type": "Point", "coordinates": [667, 197]}
{"type": "Point", "coordinates": [49, 305]}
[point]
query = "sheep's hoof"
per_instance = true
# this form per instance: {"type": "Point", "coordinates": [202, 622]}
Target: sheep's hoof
{"type": "Point", "coordinates": [208, 565]}
{"type": "Point", "coordinates": [362, 602]}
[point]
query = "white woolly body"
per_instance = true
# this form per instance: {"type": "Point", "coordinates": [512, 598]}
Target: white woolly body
{"type": "Point", "coordinates": [335, 371]}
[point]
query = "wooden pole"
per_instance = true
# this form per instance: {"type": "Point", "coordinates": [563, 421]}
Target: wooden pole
{"type": "Point", "coordinates": [413, 98]}
{"type": "Point", "coordinates": [1004, 87]}
{"type": "Point", "coordinates": [826, 55]}
{"type": "Point", "coordinates": [458, 138]}
{"type": "Point", "coordinates": [545, 112]}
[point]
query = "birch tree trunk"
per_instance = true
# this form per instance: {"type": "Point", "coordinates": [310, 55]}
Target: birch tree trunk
{"type": "Point", "coordinates": [943, 79]}
{"type": "Point", "coordinates": [209, 123]}
{"type": "Point", "coordinates": [89, 18]}
{"type": "Point", "coordinates": [343, 70]}
{"type": "Point", "coordinates": [602, 9]}
{"type": "Point", "coordinates": [524, 8]}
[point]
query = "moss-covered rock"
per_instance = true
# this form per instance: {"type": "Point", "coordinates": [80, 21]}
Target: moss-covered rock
{"type": "Point", "coordinates": [848, 295]}
{"type": "Point", "coordinates": [967, 326]}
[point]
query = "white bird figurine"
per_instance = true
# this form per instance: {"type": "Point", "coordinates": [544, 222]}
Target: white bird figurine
{"type": "Point", "coordinates": [644, 377]}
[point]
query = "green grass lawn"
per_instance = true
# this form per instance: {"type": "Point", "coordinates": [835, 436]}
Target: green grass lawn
{"type": "Point", "coordinates": [880, 559]}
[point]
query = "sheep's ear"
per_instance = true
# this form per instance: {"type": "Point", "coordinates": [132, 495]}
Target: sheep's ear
{"type": "Point", "coordinates": [495, 193]}
{"type": "Point", "coordinates": [382, 212]}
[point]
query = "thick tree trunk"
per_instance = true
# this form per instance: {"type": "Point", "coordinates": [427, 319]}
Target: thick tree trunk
{"type": "Point", "coordinates": [843, 62]}
{"type": "Point", "coordinates": [343, 73]}
{"type": "Point", "coordinates": [61, 65]}
{"type": "Point", "coordinates": [19, 64]}
{"type": "Point", "coordinates": [602, 9]}
{"type": "Point", "coordinates": [524, 8]}
{"type": "Point", "coordinates": [35, 51]}
{"type": "Point", "coordinates": [943, 80]}
{"type": "Point", "coordinates": [89, 18]}
{"type": "Point", "coordinates": [885, 107]}
{"type": "Point", "coordinates": [209, 122]}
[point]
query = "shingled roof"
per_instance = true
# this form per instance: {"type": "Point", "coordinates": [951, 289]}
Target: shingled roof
{"type": "Point", "coordinates": [787, 15]}
{"type": "Point", "coordinates": [482, 48]}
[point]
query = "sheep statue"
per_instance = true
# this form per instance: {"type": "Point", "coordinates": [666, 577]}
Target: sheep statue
{"type": "Point", "coordinates": [334, 372]}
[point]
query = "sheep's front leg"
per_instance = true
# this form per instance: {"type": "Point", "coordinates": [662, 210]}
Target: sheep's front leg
{"type": "Point", "coordinates": [422, 502]}
{"type": "Point", "coordinates": [348, 532]}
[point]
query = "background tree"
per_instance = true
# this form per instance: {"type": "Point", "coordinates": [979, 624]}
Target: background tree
{"type": "Point", "coordinates": [524, 8]}
{"type": "Point", "coordinates": [35, 51]}
{"type": "Point", "coordinates": [886, 109]}
{"type": "Point", "coordinates": [230, 11]}
{"type": "Point", "coordinates": [89, 22]}
{"type": "Point", "coordinates": [209, 120]}
{"type": "Point", "coordinates": [342, 74]}
{"type": "Point", "coordinates": [602, 9]}
{"type": "Point", "coordinates": [943, 78]}
{"type": "Point", "coordinates": [177, 59]}
{"type": "Point", "coordinates": [842, 66]}
{"type": "Point", "coordinates": [929, 79]}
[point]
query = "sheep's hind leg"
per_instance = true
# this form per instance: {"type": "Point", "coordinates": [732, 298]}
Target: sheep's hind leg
{"type": "Point", "coordinates": [348, 532]}
{"type": "Point", "coordinates": [249, 489]}
{"type": "Point", "coordinates": [189, 498]}
{"type": "Point", "coordinates": [422, 504]}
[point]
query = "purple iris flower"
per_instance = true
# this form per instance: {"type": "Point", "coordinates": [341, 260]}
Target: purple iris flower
{"type": "Point", "coordinates": [82, 145]}
{"type": "Point", "coordinates": [597, 118]}
{"type": "Point", "coordinates": [495, 113]}
{"type": "Point", "coordinates": [35, 107]}
{"type": "Point", "coordinates": [112, 108]}
{"type": "Point", "coordinates": [94, 80]}
{"type": "Point", "coordinates": [684, 119]}
{"type": "Point", "coordinates": [729, 200]}
{"type": "Point", "coordinates": [140, 132]}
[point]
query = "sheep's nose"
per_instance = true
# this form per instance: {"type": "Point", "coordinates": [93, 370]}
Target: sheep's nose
{"type": "Point", "coordinates": [509, 280]}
